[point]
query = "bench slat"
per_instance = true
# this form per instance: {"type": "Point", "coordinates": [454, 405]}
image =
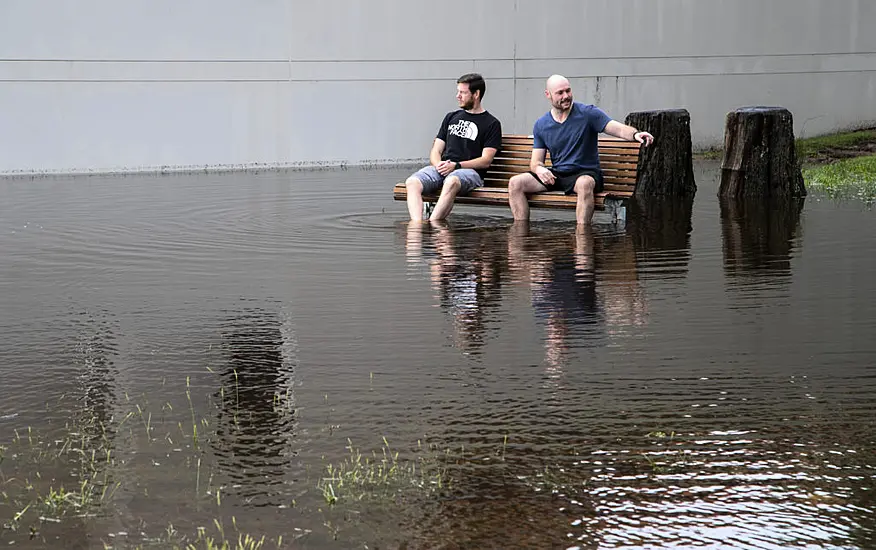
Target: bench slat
{"type": "Point", "coordinates": [614, 184]}
{"type": "Point", "coordinates": [513, 139]}
{"type": "Point", "coordinates": [612, 150]}
{"type": "Point", "coordinates": [608, 175]}
{"type": "Point", "coordinates": [513, 164]}
{"type": "Point", "coordinates": [614, 175]}
{"type": "Point", "coordinates": [627, 159]}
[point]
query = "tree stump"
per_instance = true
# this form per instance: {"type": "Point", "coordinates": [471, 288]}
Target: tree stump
{"type": "Point", "coordinates": [760, 156]}
{"type": "Point", "coordinates": [666, 167]}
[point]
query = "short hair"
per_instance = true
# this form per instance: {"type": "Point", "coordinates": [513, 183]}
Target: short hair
{"type": "Point", "coordinates": [475, 83]}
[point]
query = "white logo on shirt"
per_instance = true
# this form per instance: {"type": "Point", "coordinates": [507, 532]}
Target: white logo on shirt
{"type": "Point", "coordinates": [464, 129]}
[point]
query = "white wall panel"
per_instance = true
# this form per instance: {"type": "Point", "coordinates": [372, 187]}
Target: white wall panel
{"type": "Point", "coordinates": [100, 85]}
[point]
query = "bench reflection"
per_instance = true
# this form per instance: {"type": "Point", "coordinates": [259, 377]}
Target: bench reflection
{"type": "Point", "coordinates": [583, 285]}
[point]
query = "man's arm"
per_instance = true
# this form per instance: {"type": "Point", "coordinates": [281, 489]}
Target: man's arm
{"type": "Point", "coordinates": [536, 164]}
{"type": "Point", "coordinates": [482, 162]}
{"type": "Point", "coordinates": [437, 151]}
{"type": "Point", "coordinates": [538, 156]}
{"type": "Point", "coordinates": [616, 129]}
{"type": "Point", "coordinates": [444, 167]}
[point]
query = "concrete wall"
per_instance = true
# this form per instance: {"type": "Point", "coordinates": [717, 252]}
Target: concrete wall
{"type": "Point", "coordinates": [102, 85]}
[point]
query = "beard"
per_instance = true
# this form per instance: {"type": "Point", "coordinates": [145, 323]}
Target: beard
{"type": "Point", "coordinates": [468, 105]}
{"type": "Point", "coordinates": [562, 105]}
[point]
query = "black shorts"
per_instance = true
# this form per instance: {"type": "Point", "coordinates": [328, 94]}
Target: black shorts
{"type": "Point", "coordinates": [565, 182]}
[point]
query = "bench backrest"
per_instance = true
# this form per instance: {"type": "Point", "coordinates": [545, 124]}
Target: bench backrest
{"type": "Point", "coordinates": [617, 158]}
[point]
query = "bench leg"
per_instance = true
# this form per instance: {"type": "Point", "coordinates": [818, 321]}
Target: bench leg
{"type": "Point", "coordinates": [617, 210]}
{"type": "Point", "coordinates": [428, 207]}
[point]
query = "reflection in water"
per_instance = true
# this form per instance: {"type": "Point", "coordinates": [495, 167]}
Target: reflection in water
{"type": "Point", "coordinates": [759, 236]}
{"type": "Point", "coordinates": [558, 266]}
{"type": "Point", "coordinates": [660, 229]}
{"type": "Point", "coordinates": [559, 269]}
{"type": "Point", "coordinates": [95, 347]}
{"type": "Point", "coordinates": [615, 488]}
{"type": "Point", "coordinates": [257, 402]}
{"type": "Point", "coordinates": [620, 289]}
{"type": "Point", "coordinates": [466, 268]}
{"type": "Point", "coordinates": [734, 487]}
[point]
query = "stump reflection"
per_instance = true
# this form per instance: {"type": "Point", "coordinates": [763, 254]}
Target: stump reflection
{"type": "Point", "coordinates": [758, 235]}
{"type": "Point", "coordinates": [660, 229]}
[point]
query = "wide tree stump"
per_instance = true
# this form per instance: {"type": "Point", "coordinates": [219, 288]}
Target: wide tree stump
{"type": "Point", "coordinates": [666, 167]}
{"type": "Point", "coordinates": [760, 156]}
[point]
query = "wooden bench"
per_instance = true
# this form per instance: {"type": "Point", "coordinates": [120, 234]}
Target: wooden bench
{"type": "Point", "coordinates": [617, 158]}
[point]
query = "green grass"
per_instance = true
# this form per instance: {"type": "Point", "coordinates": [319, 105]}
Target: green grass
{"type": "Point", "coordinates": [811, 147]}
{"type": "Point", "coordinates": [382, 474]}
{"type": "Point", "coordinates": [846, 179]}
{"type": "Point", "coordinates": [711, 154]}
{"type": "Point", "coordinates": [69, 472]}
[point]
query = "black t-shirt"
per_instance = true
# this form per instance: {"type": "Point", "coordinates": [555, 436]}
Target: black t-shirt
{"type": "Point", "coordinates": [466, 135]}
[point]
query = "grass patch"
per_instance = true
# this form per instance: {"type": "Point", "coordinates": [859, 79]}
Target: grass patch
{"type": "Point", "coordinates": [381, 475]}
{"type": "Point", "coordinates": [813, 147]}
{"type": "Point", "coordinates": [67, 474]}
{"type": "Point", "coordinates": [846, 179]}
{"type": "Point", "coordinates": [215, 538]}
{"type": "Point", "coordinates": [711, 154]}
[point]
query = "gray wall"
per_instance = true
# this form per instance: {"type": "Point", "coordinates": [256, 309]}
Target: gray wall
{"type": "Point", "coordinates": [103, 85]}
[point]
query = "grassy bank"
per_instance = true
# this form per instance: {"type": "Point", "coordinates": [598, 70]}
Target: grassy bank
{"type": "Point", "coordinates": [834, 146]}
{"type": "Point", "coordinates": [826, 148]}
{"type": "Point", "coordinates": [841, 166]}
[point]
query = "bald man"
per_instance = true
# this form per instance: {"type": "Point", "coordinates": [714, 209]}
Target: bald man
{"type": "Point", "coordinates": [570, 132]}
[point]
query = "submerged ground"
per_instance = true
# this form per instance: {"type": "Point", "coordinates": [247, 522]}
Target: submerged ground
{"type": "Point", "coordinates": [234, 359]}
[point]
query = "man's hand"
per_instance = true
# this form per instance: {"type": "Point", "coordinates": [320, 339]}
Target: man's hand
{"type": "Point", "coordinates": [644, 138]}
{"type": "Point", "coordinates": [445, 167]}
{"type": "Point", "coordinates": [545, 175]}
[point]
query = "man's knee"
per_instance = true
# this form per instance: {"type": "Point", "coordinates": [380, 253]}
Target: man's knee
{"type": "Point", "coordinates": [451, 185]}
{"type": "Point", "coordinates": [517, 184]}
{"type": "Point", "coordinates": [414, 185]}
{"type": "Point", "coordinates": [585, 186]}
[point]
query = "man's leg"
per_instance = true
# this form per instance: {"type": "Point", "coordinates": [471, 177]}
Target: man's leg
{"type": "Point", "coordinates": [584, 187]}
{"type": "Point", "coordinates": [415, 198]}
{"type": "Point", "coordinates": [451, 188]}
{"type": "Point", "coordinates": [425, 180]}
{"type": "Point", "coordinates": [518, 187]}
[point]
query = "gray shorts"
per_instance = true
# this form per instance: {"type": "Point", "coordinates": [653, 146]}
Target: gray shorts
{"type": "Point", "coordinates": [433, 181]}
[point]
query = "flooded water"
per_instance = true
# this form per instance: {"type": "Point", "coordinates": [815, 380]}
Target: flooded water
{"type": "Point", "coordinates": [197, 359]}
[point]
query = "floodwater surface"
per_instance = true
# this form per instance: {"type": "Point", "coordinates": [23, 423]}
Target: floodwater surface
{"type": "Point", "coordinates": [200, 359]}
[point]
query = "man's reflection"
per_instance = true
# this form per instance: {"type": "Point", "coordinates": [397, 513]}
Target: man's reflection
{"type": "Point", "coordinates": [620, 291]}
{"type": "Point", "coordinates": [466, 269]}
{"type": "Point", "coordinates": [560, 272]}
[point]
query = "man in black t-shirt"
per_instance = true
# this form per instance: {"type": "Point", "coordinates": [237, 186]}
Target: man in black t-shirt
{"type": "Point", "coordinates": [463, 150]}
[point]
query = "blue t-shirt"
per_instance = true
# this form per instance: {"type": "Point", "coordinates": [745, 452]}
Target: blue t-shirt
{"type": "Point", "coordinates": [573, 145]}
